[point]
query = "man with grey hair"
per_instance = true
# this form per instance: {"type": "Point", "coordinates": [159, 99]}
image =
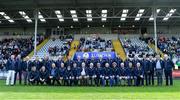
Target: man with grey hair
{"type": "Point", "coordinates": [168, 67]}
{"type": "Point", "coordinates": [159, 70]}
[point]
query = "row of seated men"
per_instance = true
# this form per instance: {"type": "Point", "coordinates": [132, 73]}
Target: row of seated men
{"type": "Point", "coordinates": [99, 72]}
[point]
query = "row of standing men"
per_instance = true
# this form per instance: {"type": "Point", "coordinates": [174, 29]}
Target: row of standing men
{"type": "Point", "coordinates": [90, 72]}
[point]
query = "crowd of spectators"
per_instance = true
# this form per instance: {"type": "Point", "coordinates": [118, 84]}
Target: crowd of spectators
{"type": "Point", "coordinates": [136, 47]}
{"type": "Point", "coordinates": [61, 50]}
{"type": "Point", "coordinates": [95, 44]}
{"type": "Point", "coordinates": [22, 46]}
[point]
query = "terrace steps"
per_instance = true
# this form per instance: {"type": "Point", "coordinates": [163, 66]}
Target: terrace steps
{"type": "Point", "coordinates": [119, 49]}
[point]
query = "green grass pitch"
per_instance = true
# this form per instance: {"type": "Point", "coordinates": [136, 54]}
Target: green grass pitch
{"type": "Point", "coordinates": [21, 92]}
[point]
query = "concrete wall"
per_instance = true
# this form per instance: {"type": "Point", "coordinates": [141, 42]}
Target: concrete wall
{"type": "Point", "coordinates": [23, 31]}
{"type": "Point", "coordinates": [96, 30]}
{"type": "Point", "coordinates": [103, 36]}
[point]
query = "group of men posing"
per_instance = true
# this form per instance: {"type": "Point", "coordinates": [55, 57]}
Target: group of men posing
{"type": "Point", "coordinates": [90, 72]}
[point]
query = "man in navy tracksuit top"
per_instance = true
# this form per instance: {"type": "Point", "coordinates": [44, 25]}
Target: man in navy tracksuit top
{"type": "Point", "coordinates": [139, 73]}
{"type": "Point", "coordinates": [68, 76]}
{"type": "Point", "coordinates": [62, 76]}
{"type": "Point", "coordinates": [99, 74]}
{"type": "Point", "coordinates": [116, 71]}
{"type": "Point", "coordinates": [101, 61]}
{"type": "Point", "coordinates": [91, 74]}
{"type": "Point", "coordinates": [159, 69]}
{"type": "Point", "coordinates": [108, 76]}
{"type": "Point", "coordinates": [146, 68]}
{"type": "Point", "coordinates": [36, 63]}
{"type": "Point", "coordinates": [131, 74]}
{"type": "Point", "coordinates": [18, 68]}
{"type": "Point", "coordinates": [123, 74]}
{"type": "Point", "coordinates": [47, 63]}
{"type": "Point", "coordinates": [33, 76]}
{"type": "Point", "coordinates": [43, 76]}
{"type": "Point", "coordinates": [69, 62]}
{"type": "Point", "coordinates": [10, 66]}
{"type": "Point", "coordinates": [54, 75]}
{"type": "Point", "coordinates": [151, 67]}
{"type": "Point", "coordinates": [168, 67]}
{"type": "Point", "coordinates": [76, 71]}
{"type": "Point", "coordinates": [59, 61]}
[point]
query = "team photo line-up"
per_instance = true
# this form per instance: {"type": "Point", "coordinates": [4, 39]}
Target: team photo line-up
{"type": "Point", "coordinates": [90, 72]}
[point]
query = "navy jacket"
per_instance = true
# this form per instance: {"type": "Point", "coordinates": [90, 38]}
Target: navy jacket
{"type": "Point", "coordinates": [124, 71]}
{"type": "Point", "coordinates": [139, 72]}
{"type": "Point", "coordinates": [115, 71]}
{"type": "Point", "coordinates": [99, 71]}
{"type": "Point", "coordinates": [68, 73]}
{"type": "Point", "coordinates": [168, 65]}
{"type": "Point", "coordinates": [108, 71]}
{"type": "Point", "coordinates": [91, 71]}
{"type": "Point", "coordinates": [58, 63]}
{"type": "Point", "coordinates": [18, 65]}
{"type": "Point", "coordinates": [27, 66]}
{"type": "Point", "coordinates": [62, 72]}
{"type": "Point", "coordinates": [43, 75]}
{"type": "Point", "coordinates": [34, 75]}
{"type": "Point", "coordinates": [47, 64]}
{"type": "Point", "coordinates": [145, 66]}
{"type": "Point", "coordinates": [152, 65]}
{"type": "Point", "coordinates": [10, 65]}
{"type": "Point", "coordinates": [76, 71]}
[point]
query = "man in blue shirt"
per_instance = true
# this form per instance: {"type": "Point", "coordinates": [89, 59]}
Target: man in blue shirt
{"type": "Point", "coordinates": [159, 70]}
{"type": "Point", "coordinates": [54, 75]}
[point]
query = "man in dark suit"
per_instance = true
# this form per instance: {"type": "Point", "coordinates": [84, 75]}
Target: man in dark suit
{"type": "Point", "coordinates": [168, 67]}
{"type": "Point", "coordinates": [139, 74]}
{"type": "Point", "coordinates": [99, 74]}
{"type": "Point", "coordinates": [33, 76]}
{"type": "Point", "coordinates": [151, 67]}
{"type": "Point", "coordinates": [159, 70]}
{"type": "Point", "coordinates": [146, 68]}
{"type": "Point", "coordinates": [18, 69]}
{"type": "Point", "coordinates": [91, 74]}
{"type": "Point", "coordinates": [43, 76]}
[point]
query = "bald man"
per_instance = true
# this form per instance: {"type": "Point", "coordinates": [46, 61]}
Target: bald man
{"type": "Point", "coordinates": [168, 67]}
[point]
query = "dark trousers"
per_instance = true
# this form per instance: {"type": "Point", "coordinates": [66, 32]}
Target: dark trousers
{"type": "Point", "coordinates": [139, 81]}
{"type": "Point", "coordinates": [52, 81]}
{"type": "Point", "coordinates": [25, 74]}
{"type": "Point", "coordinates": [98, 81]}
{"type": "Point", "coordinates": [20, 78]}
{"type": "Point", "coordinates": [91, 81]}
{"type": "Point", "coordinates": [147, 78]}
{"type": "Point", "coordinates": [34, 82]}
{"type": "Point", "coordinates": [151, 75]}
{"type": "Point", "coordinates": [168, 75]}
{"type": "Point", "coordinates": [159, 74]}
